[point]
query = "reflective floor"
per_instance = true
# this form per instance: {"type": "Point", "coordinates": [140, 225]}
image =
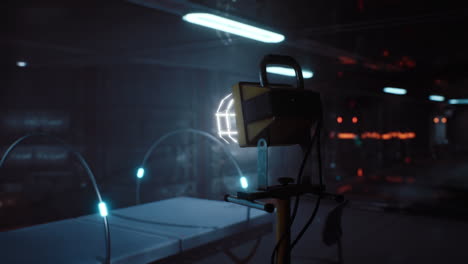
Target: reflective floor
{"type": "Point", "coordinates": [370, 237]}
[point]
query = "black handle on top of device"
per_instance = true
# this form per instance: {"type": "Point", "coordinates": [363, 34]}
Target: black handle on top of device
{"type": "Point", "coordinates": [280, 60]}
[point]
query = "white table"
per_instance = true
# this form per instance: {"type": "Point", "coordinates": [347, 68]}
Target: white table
{"type": "Point", "coordinates": [139, 234]}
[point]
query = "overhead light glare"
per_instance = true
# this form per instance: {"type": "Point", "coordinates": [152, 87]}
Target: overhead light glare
{"type": "Point", "coordinates": [233, 27]}
{"type": "Point", "coordinates": [458, 101]}
{"type": "Point", "coordinates": [21, 64]}
{"type": "Point", "coordinates": [436, 98]}
{"type": "Point", "coordinates": [394, 90]}
{"type": "Point", "coordinates": [289, 72]}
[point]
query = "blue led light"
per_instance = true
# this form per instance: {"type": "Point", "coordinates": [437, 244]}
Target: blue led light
{"type": "Point", "coordinates": [244, 183]}
{"type": "Point", "coordinates": [436, 98]}
{"type": "Point", "coordinates": [458, 101]}
{"type": "Point", "coordinates": [21, 64]}
{"type": "Point", "coordinates": [394, 90]}
{"type": "Point", "coordinates": [140, 173]}
{"type": "Point", "coordinates": [289, 72]}
{"type": "Point", "coordinates": [103, 209]}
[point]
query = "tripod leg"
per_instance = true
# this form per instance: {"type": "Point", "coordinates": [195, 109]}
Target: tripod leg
{"type": "Point", "coordinates": [283, 227]}
{"type": "Point", "coordinates": [340, 252]}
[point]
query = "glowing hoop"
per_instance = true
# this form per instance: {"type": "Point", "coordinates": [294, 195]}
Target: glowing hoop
{"type": "Point", "coordinates": [226, 120]}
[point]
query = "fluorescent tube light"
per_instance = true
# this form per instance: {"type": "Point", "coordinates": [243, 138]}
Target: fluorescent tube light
{"type": "Point", "coordinates": [458, 101]}
{"type": "Point", "coordinates": [436, 98]}
{"type": "Point", "coordinates": [21, 64]}
{"type": "Point", "coordinates": [233, 27]}
{"type": "Point", "coordinates": [393, 90]}
{"type": "Point", "coordinates": [288, 72]}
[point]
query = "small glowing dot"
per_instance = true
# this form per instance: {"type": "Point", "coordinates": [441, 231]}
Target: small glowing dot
{"type": "Point", "coordinates": [244, 183]}
{"type": "Point", "coordinates": [355, 120]}
{"type": "Point", "coordinates": [140, 173]}
{"type": "Point", "coordinates": [436, 120]}
{"type": "Point", "coordinates": [103, 209]}
{"type": "Point", "coordinates": [360, 172]}
{"type": "Point", "coordinates": [444, 120]}
{"type": "Point", "coordinates": [21, 64]}
{"type": "Point", "coordinates": [339, 120]}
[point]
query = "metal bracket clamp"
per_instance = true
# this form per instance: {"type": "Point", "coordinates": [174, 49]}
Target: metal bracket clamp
{"type": "Point", "coordinates": [262, 164]}
{"type": "Point", "coordinates": [267, 207]}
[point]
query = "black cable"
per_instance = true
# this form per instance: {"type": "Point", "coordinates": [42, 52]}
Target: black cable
{"type": "Point", "coordinates": [306, 226]}
{"type": "Point", "coordinates": [319, 157]}
{"type": "Point", "coordinates": [301, 170]}
{"type": "Point", "coordinates": [299, 179]}
{"type": "Point", "coordinates": [317, 205]}
{"type": "Point", "coordinates": [315, 137]}
{"type": "Point", "coordinates": [246, 259]}
{"type": "Point", "coordinates": [86, 167]}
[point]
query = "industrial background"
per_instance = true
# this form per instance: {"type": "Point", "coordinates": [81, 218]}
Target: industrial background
{"type": "Point", "coordinates": [111, 77]}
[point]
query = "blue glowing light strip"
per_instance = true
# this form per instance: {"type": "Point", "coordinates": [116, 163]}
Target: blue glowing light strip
{"type": "Point", "coordinates": [458, 101]}
{"type": "Point", "coordinates": [436, 98]}
{"type": "Point", "coordinates": [393, 90]}
{"type": "Point", "coordinates": [21, 64]}
{"type": "Point", "coordinates": [233, 27]}
{"type": "Point", "coordinates": [289, 72]}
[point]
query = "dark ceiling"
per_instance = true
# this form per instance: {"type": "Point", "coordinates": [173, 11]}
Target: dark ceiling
{"type": "Point", "coordinates": [416, 42]}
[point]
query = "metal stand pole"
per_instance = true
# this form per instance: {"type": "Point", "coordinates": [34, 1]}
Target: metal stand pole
{"type": "Point", "coordinates": [283, 227]}
{"type": "Point", "coordinates": [137, 192]}
{"type": "Point", "coordinates": [340, 252]}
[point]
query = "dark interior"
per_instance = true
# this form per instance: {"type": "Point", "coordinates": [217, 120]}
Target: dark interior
{"type": "Point", "coordinates": [110, 77]}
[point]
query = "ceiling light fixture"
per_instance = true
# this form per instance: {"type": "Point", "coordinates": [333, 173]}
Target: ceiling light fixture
{"type": "Point", "coordinates": [394, 90]}
{"type": "Point", "coordinates": [436, 98]}
{"type": "Point", "coordinates": [233, 27]}
{"type": "Point", "coordinates": [458, 101]}
{"type": "Point", "coordinates": [289, 72]}
{"type": "Point", "coordinates": [21, 64]}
